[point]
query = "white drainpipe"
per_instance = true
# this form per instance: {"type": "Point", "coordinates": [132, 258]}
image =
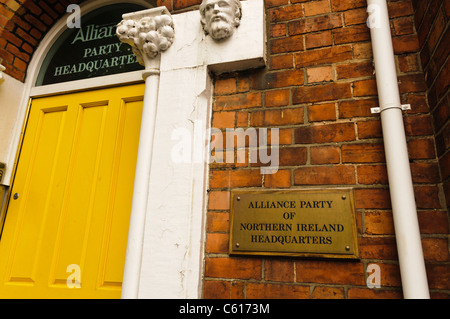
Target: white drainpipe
{"type": "Point", "coordinates": [407, 233]}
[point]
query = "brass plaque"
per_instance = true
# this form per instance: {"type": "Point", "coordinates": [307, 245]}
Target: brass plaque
{"type": "Point", "coordinates": [308, 223]}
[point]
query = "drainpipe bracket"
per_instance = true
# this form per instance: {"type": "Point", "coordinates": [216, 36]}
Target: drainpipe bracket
{"type": "Point", "coordinates": [403, 107]}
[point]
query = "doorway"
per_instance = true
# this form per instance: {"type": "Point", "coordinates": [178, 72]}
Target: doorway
{"type": "Point", "coordinates": [67, 219]}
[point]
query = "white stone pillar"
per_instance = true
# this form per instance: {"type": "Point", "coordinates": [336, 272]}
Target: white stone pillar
{"type": "Point", "coordinates": [148, 32]}
{"type": "Point", "coordinates": [172, 195]}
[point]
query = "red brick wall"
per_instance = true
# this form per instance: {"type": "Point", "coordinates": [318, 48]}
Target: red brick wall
{"type": "Point", "coordinates": [318, 89]}
{"type": "Point", "coordinates": [23, 24]}
{"type": "Point", "coordinates": [432, 24]}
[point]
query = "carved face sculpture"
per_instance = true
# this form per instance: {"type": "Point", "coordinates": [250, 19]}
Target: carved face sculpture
{"type": "Point", "coordinates": [220, 17]}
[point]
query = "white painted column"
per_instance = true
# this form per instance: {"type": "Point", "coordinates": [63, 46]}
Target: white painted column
{"type": "Point", "coordinates": [168, 262]}
{"type": "Point", "coordinates": [148, 32]}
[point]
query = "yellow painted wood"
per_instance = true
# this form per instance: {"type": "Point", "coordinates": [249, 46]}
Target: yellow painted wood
{"type": "Point", "coordinates": [75, 179]}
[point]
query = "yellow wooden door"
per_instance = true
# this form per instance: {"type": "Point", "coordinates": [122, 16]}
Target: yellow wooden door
{"type": "Point", "coordinates": [66, 226]}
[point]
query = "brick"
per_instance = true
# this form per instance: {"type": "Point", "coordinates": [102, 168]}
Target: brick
{"type": "Point", "coordinates": [427, 197]}
{"type": "Point", "coordinates": [362, 50]}
{"type": "Point", "coordinates": [366, 198]}
{"type": "Point", "coordinates": [278, 62]}
{"type": "Point", "coordinates": [321, 93]}
{"type": "Point", "coordinates": [279, 79]}
{"type": "Point", "coordinates": [281, 179]}
{"type": "Point", "coordinates": [242, 119]}
{"type": "Point", "coordinates": [411, 83]}
{"type": "Point", "coordinates": [314, 24]}
{"type": "Point", "coordinates": [317, 7]}
{"type": "Point", "coordinates": [20, 65]}
{"type": "Point", "coordinates": [277, 98]}
{"type": "Point", "coordinates": [322, 112]}
{"type": "Point", "coordinates": [286, 13]}
{"type": "Point", "coordinates": [216, 289]}
{"type": "Point", "coordinates": [18, 53]}
{"type": "Point", "coordinates": [181, 4]}
{"type": "Point", "coordinates": [277, 30]}
{"type": "Point", "coordinates": [217, 243]}
{"type": "Point", "coordinates": [319, 74]}
{"type": "Point", "coordinates": [367, 293]}
{"type": "Point", "coordinates": [242, 268]}
{"type": "Point", "coordinates": [219, 200]}
{"type": "Point", "coordinates": [277, 117]}
{"type": "Point", "coordinates": [292, 156]}
{"type": "Point", "coordinates": [365, 88]}
{"type": "Point", "coordinates": [355, 16]}
{"type": "Point", "coordinates": [237, 101]}
{"type": "Point", "coordinates": [433, 222]}
{"type": "Point", "coordinates": [421, 148]}
{"type": "Point", "coordinates": [225, 86]}
{"type": "Point", "coordinates": [317, 40]}
{"type": "Point", "coordinates": [400, 9]}
{"type": "Point", "coordinates": [378, 223]}
{"type": "Point", "coordinates": [276, 291]}
{"type": "Point", "coordinates": [166, 3]}
{"type": "Point", "coordinates": [279, 270]}
{"type": "Point", "coordinates": [438, 276]}
{"type": "Point", "coordinates": [324, 56]}
{"type": "Point", "coordinates": [325, 155]}
{"type": "Point", "coordinates": [435, 249]}
{"type": "Point", "coordinates": [408, 63]}
{"type": "Point", "coordinates": [284, 136]}
{"type": "Point", "coordinates": [352, 34]}
{"type": "Point", "coordinates": [324, 133]}
{"type": "Point", "coordinates": [378, 248]}
{"type": "Point", "coordinates": [369, 129]}
{"type": "Point", "coordinates": [372, 174]}
{"type": "Point", "coordinates": [287, 44]}
{"type": "Point", "coordinates": [329, 272]}
{"type": "Point", "coordinates": [275, 3]}
{"type": "Point", "coordinates": [403, 26]}
{"type": "Point", "coordinates": [323, 292]}
{"type": "Point", "coordinates": [12, 38]}
{"type": "Point", "coordinates": [406, 44]}
{"type": "Point", "coordinates": [36, 22]}
{"type": "Point", "coordinates": [425, 172]}
{"type": "Point", "coordinates": [218, 222]}
{"type": "Point", "coordinates": [339, 5]}
{"type": "Point", "coordinates": [325, 175]}
{"type": "Point", "coordinates": [236, 178]}
{"type": "Point", "coordinates": [354, 70]}
{"type": "Point", "coordinates": [357, 108]}
{"type": "Point", "coordinates": [363, 153]}
{"type": "Point", "coordinates": [223, 120]}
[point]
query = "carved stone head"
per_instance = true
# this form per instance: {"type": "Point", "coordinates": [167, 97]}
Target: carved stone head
{"type": "Point", "coordinates": [220, 18]}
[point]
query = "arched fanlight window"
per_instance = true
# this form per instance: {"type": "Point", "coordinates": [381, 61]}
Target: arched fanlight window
{"type": "Point", "coordinates": [92, 50]}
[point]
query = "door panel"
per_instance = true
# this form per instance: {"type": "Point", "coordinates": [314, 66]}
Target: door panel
{"type": "Point", "coordinates": [74, 182]}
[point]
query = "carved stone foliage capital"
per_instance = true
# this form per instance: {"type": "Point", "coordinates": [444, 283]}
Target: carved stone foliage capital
{"type": "Point", "coordinates": [148, 35]}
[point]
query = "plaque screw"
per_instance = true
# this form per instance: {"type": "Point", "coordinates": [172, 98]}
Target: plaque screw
{"type": "Point", "coordinates": [237, 244]}
{"type": "Point", "coordinates": [347, 247]}
{"type": "Point", "coordinates": [344, 197]}
{"type": "Point", "coordinates": [238, 198]}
